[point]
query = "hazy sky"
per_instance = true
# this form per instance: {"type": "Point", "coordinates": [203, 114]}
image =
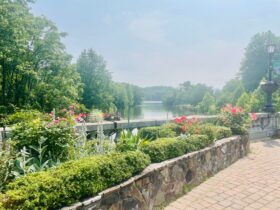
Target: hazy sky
{"type": "Point", "coordinates": [164, 42]}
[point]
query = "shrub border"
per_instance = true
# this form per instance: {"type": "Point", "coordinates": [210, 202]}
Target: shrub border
{"type": "Point", "coordinates": [95, 202]}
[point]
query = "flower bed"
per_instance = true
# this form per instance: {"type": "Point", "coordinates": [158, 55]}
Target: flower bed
{"type": "Point", "coordinates": [45, 183]}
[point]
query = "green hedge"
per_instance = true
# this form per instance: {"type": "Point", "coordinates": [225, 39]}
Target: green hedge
{"type": "Point", "coordinates": [196, 142]}
{"type": "Point", "coordinates": [72, 181]}
{"type": "Point", "coordinates": [222, 132]}
{"type": "Point", "coordinates": [152, 133]}
{"type": "Point", "coordinates": [212, 131]}
{"type": "Point", "coordinates": [22, 116]}
{"type": "Point", "coordinates": [164, 149]}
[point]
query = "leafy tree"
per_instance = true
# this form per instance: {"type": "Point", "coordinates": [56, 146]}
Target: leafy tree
{"type": "Point", "coordinates": [244, 102]}
{"type": "Point", "coordinates": [255, 62]}
{"type": "Point", "coordinates": [157, 93]}
{"type": "Point", "coordinates": [207, 105]}
{"type": "Point", "coordinates": [97, 81]}
{"type": "Point", "coordinates": [257, 100]}
{"type": "Point", "coordinates": [35, 69]}
{"type": "Point", "coordinates": [126, 95]}
{"type": "Point", "coordinates": [230, 93]}
{"type": "Point", "coordinates": [188, 93]}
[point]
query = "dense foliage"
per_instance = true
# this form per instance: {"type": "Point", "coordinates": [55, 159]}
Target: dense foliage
{"type": "Point", "coordinates": [157, 93]}
{"type": "Point", "coordinates": [35, 69]}
{"type": "Point", "coordinates": [45, 155]}
{"type": "Point", "coordinates": [236, 118]}
{"type": "Point", "coordinates": [164, 149]}
{"type": "Point", "coordinates": [72, 181]}
{"type": "Point", "coordinates": [96, 79]}
{"type": "Point", "coordinates": [187, 93]}
{"type": "Point", "coordinates": [255, 62]}
{"type": "Point", "coordinates": [155, 132]}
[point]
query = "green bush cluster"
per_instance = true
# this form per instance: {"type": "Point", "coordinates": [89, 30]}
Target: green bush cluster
{"type": "Point", "coordinates": [211, 131]}
{"type": "Point", "coordinates": [163, 149]}
{"type": "Point", "coordinates": [156, 132]}
{"type": "Point", "coordinates": [222, 132]}
{"type": "Point", "coordinates": [196, 142]}
{"type": "Point", "coordinates": [72, 181]}
{"type": "Point", "coordinates": [22, 116]}
{"type": "Point", "coordinates": [167, 148]}
{"type": "Point", "coordinates": [59, 138]}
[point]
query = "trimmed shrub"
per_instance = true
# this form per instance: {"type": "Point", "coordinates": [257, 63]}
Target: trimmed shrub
{"type": "Point", "coordinates": [163, 149]}
{"type": "Point", "coordinates": [203, 129]}
{"type": "Point", "coordinates": [174, 127]}
{"type": "Point", "coordinates": [212, 131]}
{"type": "Point", "coordinates": [72, 181]}
{"type": "Point", "coordinates": [196, 142]}
{"type": "Point", "coordinates": [155, 132]}
{"type": "Point", "coordinates": [222, 132]}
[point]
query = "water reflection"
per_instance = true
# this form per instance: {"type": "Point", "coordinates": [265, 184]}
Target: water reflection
{"type": "Point", "coordinates": [155, 110]}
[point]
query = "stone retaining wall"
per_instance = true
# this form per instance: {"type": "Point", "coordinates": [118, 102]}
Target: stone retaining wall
{"type": "Point", "coordinates": [161, 183]}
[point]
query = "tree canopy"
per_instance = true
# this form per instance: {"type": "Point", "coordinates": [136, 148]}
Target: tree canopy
{"type": "Point", "coordinates": [255, 62]}
{"type": "Point", "coordinates": [35, 69]}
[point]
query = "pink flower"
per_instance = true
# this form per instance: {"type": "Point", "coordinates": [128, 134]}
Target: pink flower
{"type": "Point", "coordinates": [233, 110]}
{"type": "Point", "coordinates": [253, 116]}
{"type": "Point", "coordinates": [183, 118]}
{"type": "Point", "coordinates": [56, 121]}
{"type": "Point", "coordinates": [71, 112]}
{"type": "Point", "coordinates": [83, 115]}
{"type": "Point", "coordinates": [78, 119]}
{"type": "Point", "coordinates": [177, 120]}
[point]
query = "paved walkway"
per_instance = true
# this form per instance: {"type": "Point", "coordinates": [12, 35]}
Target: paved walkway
{"type": "Point", "coordinates": [251, 183]}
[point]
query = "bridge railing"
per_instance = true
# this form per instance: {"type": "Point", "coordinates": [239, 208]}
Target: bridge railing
{"type": "Point", "coordinates": [266, 125]}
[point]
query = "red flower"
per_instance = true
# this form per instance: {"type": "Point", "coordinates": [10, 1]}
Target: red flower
{"type": "Point", "coordinates": [183, 118]}
{"type": "Point", "coordinates": [234, 111]}
{"type": "Point", "coordinates": [83, 115]}
{"type": "Point", "coordinates": [177, 120]}
{"type": "Point", "coordinates": [253, 116]}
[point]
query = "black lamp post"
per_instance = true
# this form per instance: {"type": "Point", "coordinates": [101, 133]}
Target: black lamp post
{"type": "Point", "coordinates": [269, 86]}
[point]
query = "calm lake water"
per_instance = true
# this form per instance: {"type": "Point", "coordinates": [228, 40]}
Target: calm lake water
{"type": "Point", "coordinates": [150, 110]}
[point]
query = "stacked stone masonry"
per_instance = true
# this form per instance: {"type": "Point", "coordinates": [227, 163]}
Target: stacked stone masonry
{"type": "Point", "coordinates": [161, 183]}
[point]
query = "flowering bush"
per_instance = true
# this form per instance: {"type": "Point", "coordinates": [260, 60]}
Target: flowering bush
{"type": "Point", "coordinates": [253, 116]}
{"type": "Point", "coordinates": [59, 135]}
{"type": "Point", "coordinates": [22, 116]}
{"type": "Point", "coordinates": [186, 124]}
{"type": "Point", "coordinates": [235, 118]}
